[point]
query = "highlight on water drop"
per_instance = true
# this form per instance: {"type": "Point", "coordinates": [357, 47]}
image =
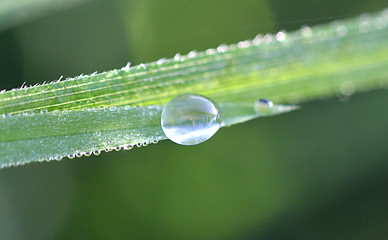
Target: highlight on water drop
{"type": "Point", "coordinates": [190, 119]}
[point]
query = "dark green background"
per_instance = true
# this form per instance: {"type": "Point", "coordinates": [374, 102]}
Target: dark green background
{"type": "Point", "coordinates": [316, 173]}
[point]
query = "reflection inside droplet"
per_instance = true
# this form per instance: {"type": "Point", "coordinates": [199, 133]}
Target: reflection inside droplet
{"type": "Point", "coordinates": [190, 119]}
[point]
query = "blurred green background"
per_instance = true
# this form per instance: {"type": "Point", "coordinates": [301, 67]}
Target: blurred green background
{"type": "Point", "coordinates": [316, 173]}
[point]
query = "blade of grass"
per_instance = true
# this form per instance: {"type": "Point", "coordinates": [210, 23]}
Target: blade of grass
{"type": "Point", "coordinates": [54, 135]}
{"type": "Point", "coordinates": [333, 59]}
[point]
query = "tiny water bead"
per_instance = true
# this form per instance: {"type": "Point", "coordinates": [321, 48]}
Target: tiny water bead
{"type": "Point", "coordinates": [263, 105]}
{"type": "Point", "coordinates": [190, 119]}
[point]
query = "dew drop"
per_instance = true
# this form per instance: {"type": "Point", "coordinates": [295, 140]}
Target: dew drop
{"type": "Point", "coordinates": [347, 88]}
{"type": "Point", "coordinates": [177, 57]}
{"type": "Point", "coordinates": [87, 154]}
{"type": "Point", "coordinates": [161, 61]}
{"type": "Point", "coordinates": [192, 54]}
{"type": "Point", "coordinates": [380, 23]}
{"type": "Point", "coordinates": [128, 147]}
{"type": "Point", "coordinates": [267, 38]}
{"type": "Point", "coordinates": [210, 51]}
{"type": "Point", "coordinates": [126, 67]}
{"type": "Point", "coordinates": [190, 119]}
{"type": "Point", "coordinates": [364, 26]}
{"type": "Point", "coordinates": [244, 44]}
{"type": "Point", "coordinates": [281, 36]}
{"type": "Point", "coordinates": [263, 105]}
{"type": "Point", "coordinates": [97, 152]}
{"type": "Point", "coordinates": [258, 39]}
{"type": "Point", "coordinates": [222, 48]}
{"type": "Point", "coordinates": [342, 30]}
{"type": "Point", "coordinates": [306, 31]}
{"type": "Point", "coordinates": [141, 66]}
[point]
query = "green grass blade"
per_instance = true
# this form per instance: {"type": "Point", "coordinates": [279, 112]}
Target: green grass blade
{"type": "Point", "coordinates": [53, 135]}
{"type": "Point", "coordinates": [62, 118]}
{"type": "Point", "coordinates": [308, 64]}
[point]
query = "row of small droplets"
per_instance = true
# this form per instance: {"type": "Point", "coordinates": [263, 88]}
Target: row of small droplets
{"type": "Point", "coordinates": [306, 31]}
{"type": "Point", "coordinates": [259, 39]}
{"type": "Point", "coordinates": [167, 64]}
{"type": "Point", "coordinates": [87, 154]}
{"type": "Point", "coordinates": [98, 152]}
{"type": "Point", "coordinates": [366, 23]}
{"type": "Point", "coordinates": [96, 109]}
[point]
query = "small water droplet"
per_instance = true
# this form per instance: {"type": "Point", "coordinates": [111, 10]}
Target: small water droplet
{"type": "Point", "coordinates": [244, 44]}
{"type": "Point", "coordinates": [192, 54]}
{"type": "Point", "coordinates": [380, 23]}
{"type": "Point", "coordinates": [97, 152]}
{"type": "Point", "coordinates": [222, 48]}
{"type": "Point", "coordinates": [263, 105]}
{"type": "Point", "coordinates": [177, 57]}
{"type": "Point", "coordinates": [141, 66]}
{"type": "Point", "coordinates": [210, 51]}
{"type": "Point", "coordinates": [128, 147]}
{"type": "Point", "coordinates": [117, 148]}
{"type": "Point", "coordinates": [281, 36]}
{"type": "Point", "coordinates": [365, 22]}
{"type": "Point", "coordinates": [267, 38]}
{"type": "Point", "coordinates": [342, 30]}
{"type": "Point", "coordinates": [71, 156]}
{"type": "Point", "coordinates": [190, 119]}
{"type": "Point", "coordinates": [126, 67]}
{"type": "Point", "coordinates": [306, 31]}
{"type": "Point", "coordinates": [161, 61]}
{"type": "Point", "coordinates": [258, 39]}
{"type": "Point", "coordinates": [98, 134]}
{"type": "Point", "coordinates": [347, 88]}
{"type": "Point", "coordinates": [364, 26]}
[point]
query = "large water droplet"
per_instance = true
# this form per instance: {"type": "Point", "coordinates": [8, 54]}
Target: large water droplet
{"type": "Point", "coordinates": [190, 119]}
